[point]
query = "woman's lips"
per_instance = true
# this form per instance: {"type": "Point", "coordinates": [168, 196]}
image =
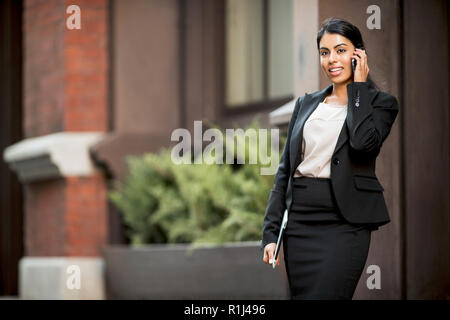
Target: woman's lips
{"type": "Point", "coordinates": [336, 72]}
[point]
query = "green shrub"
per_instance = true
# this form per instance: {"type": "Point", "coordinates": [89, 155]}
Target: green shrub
{"type": "Point", "coordinates": [162, 202]}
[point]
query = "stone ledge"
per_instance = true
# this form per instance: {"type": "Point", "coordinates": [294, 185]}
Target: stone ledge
{"type": "Point", "coordinates": [47, 278]}
{"type": "Point", "coordinates": [52, 156]}
{"type": "Point", "coordinates": [282, 115]}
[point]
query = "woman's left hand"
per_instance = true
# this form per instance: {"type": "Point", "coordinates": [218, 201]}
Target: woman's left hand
{"type": "Point", "coordinates": [362, 69]}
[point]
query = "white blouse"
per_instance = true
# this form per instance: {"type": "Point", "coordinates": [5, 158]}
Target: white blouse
{"type": "Point", "coordinates": [320, 135]}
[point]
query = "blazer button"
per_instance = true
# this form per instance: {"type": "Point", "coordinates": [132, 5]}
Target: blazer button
{"type": "Point", "coordinates": [336, 161]}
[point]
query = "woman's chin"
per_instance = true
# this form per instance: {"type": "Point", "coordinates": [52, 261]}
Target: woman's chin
{"type": "Point", "coordinates": [340, 80]}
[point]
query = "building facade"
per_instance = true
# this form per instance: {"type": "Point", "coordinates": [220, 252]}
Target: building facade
{"type": "Point", "coordinates": [76, 102]}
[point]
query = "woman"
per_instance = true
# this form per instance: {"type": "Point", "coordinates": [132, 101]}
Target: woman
{"type": "Point", "coordinates": [326, 176]}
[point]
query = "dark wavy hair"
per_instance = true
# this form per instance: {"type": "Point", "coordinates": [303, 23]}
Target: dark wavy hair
{"type": "Point", "coordinates": [348, 30]}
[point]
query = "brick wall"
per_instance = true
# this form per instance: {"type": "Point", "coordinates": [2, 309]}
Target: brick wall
{"type": "Point", "coordinates": [85, 216]}
{"type": "Point", "coordinates": [65, 89]}
{"type": "Point", "coordinates": [44, 218]}
{"type": "Point", "coordinates": [66, 217]}
{"type": "Point", "coordinates": [86, 65]}
{"type": "Point", "coordinates": [65, 70]}
{"type": "Point", "coordinates": [43, 67]}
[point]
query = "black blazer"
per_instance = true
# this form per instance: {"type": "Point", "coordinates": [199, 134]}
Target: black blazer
{"type": "Point", "coordinates": [358, 193]}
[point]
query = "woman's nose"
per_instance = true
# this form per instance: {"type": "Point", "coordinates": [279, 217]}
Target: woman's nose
{"type": "Point", "coordinates": [332, 58]}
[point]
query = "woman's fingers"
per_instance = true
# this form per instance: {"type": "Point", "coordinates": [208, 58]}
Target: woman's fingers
{"type": "Point", "coordinates": [266, 256]}
{"type": "Point", "coordinates": [362, 68]}
{"type": "Point", "coordinates": [269, 253]}
{"type": "Point", "coordinates": [363, 59]}
{"type": "Point", "coordinates": [357, 57]}
{"type": "Point", "coordinates": [271, 257]}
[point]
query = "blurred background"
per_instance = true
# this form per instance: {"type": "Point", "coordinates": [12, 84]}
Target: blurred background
{"type": "Point", "coordinates": [75, 104]}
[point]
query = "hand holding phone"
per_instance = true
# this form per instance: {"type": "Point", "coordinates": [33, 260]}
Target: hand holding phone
{"type": "Point", "coordinates": [359, 65]}
{"type": "Point", "coordinates": [354, 62]}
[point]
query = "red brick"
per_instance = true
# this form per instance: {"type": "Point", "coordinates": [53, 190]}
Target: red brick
{"type": "Point", "coordinates": [66, 83]}
{"type": "Point", "coordinates": [55, 57]}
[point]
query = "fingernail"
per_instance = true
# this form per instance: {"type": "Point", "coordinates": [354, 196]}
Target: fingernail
{"type": "Point", "coordinates": [271, 261]}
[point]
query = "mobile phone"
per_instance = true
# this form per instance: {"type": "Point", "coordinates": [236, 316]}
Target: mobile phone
{"type": "Point", "coordinates": [353, 64]}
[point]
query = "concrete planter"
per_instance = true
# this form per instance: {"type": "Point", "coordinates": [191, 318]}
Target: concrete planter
{"type": "Point", "coordinates": [230, 271]}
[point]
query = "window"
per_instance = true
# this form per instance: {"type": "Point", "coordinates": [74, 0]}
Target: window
{"type": "Point", "coordinates": [259, 65]}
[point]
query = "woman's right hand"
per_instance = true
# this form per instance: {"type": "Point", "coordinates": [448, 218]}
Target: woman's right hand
{"type": "Point", "coordinates": [269, 252]}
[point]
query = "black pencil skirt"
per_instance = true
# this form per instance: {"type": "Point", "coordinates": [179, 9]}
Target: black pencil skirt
{"type": "Point", "coordinates": [324, 254]}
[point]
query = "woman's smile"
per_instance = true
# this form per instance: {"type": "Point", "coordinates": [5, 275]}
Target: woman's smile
{"type": "Point", "coordinates": [335, 71]}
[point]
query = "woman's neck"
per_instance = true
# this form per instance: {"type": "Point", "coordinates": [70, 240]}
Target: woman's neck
{"type": "Point", "coordinates": [340, 90]}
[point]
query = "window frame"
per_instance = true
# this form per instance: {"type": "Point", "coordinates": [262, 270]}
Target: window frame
{"type": "Point", "coordinates": [266, 103]}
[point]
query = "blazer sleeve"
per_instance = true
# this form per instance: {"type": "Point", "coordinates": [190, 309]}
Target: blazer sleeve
{"type": "Point", "coordinates": [277, 198]}
{"type": "Point", "coordinates": [369, 123]}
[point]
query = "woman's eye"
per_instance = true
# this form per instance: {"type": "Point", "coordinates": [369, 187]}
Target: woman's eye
{"type": "Point", "coordinates": [322, 53]}
{"type": "Point", "coordinates": [343, 50]}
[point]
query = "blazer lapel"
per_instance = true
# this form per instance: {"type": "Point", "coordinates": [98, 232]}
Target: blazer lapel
{"type": "Point", "coordinates": [342, 139]}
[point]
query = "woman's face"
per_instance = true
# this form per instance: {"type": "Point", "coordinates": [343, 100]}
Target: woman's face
{"type": "Point", "coordinates": [336, 53]}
